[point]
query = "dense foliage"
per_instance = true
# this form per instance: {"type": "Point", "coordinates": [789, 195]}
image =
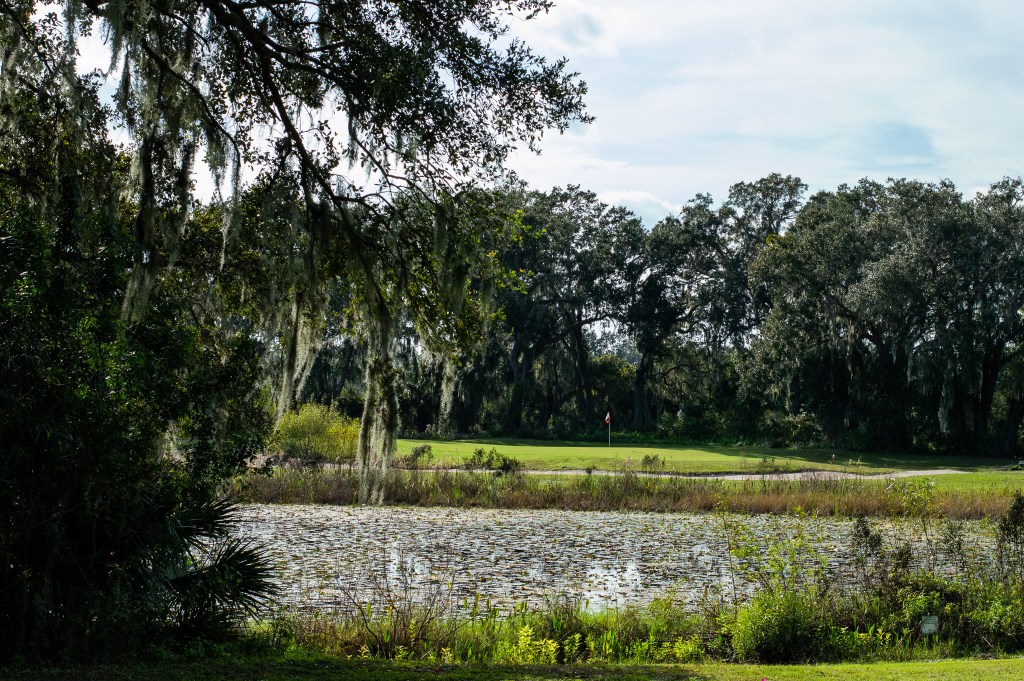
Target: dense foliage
{"type": "Point", "coordinates": [113, 436]}
{"type": "Point", "coordinates": [315, 434]}
{"type": "Point", "coordinates": [876, 316]}
{"type": "Point", "coordinates": [148, 342]}
{"type": "Point", "coordinates": [898, 314]}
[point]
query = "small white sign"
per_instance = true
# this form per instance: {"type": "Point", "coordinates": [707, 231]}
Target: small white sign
{"type": "Point", "coordinates": [929, 624]}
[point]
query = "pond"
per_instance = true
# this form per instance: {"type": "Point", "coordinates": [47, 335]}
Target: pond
{"type": "Point", "coordinates": [330, 557]}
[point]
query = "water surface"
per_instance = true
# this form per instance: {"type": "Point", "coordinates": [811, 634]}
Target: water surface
{"type": "Point", "coordinates": [332, 556]}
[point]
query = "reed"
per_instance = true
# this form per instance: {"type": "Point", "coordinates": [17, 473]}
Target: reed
{"type": "Point", "coordinates": [627, 491]}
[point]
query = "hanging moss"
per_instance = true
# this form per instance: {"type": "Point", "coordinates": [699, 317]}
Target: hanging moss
{"type": "Point", "coordinates": [430, 101]}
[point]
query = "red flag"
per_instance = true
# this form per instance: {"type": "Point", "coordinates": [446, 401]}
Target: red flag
{"type": "Point", "coordinates": [608, 418]}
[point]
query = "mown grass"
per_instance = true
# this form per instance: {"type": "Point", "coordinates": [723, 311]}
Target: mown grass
{"type": "Point", "coordinates": [1001, 483]}
{"type": "Point", "coordinates": [945, 670]}
{"type": "Point", "coordinates": [554, 455]}
{"type": "Point", "coordinates": [969, 495]}
{"type": "Point", "coordinates": [297, 666]}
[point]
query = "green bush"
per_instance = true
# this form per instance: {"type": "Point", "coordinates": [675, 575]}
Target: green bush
{"type": "Point", "coordinates": [493, 461]}
{"type": "Point", "coordinates": [1010, 539]}
{"type": "Point", "coordinates": [1000, 621]}
{"type": "Point", "coordinates": [792, 430]}
{"type": "Point", "coordinates": [781, 627]}
{"type": "Point", "coordinates": [652, 463]}
{"type": "Point", "coordinates": [315, 434]}
{"type": "Point", "coordinates": [121, 412]}
{"type": "Point", "coordinates": [419, 457]}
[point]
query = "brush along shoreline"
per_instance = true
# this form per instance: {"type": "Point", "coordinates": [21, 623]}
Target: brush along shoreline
{"type": "Point", "coordinates": [811, 474]}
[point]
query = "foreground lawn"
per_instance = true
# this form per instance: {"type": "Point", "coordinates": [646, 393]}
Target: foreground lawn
{"type": "Point", "coordinates": [324, 669]}
{"type": "Point", "coordinates": [947, 670]}
{"type": "Point", "coordinates": [554, 455]}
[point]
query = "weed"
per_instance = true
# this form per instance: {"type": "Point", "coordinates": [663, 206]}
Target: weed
{"type": "Point", "coordinates": [408, 609]}
{"type": "Point", "coordinates": [480, 488]}
{"type": "Point", "coordinates": [768, 466]}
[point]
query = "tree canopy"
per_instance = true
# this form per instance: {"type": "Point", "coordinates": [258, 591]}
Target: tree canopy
{"type": "Point", "coordinates": [880, 315]}
{"type": "Point", "coordinates": [379, 260]}
{"type": "Point", "coordinates": [149, 337]}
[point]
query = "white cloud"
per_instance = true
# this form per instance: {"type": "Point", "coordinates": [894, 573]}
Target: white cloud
{"type": "Point", "coordinates": [692, 96]}
{"type": "Point", "coordinates": [645, 204]}
{"type": "Point", "coordinates": [93, 54]}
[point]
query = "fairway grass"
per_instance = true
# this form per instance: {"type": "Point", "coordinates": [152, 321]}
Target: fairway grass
{"type": "Point", "coordinates": [1002, 483]}
{"type": "Point", "coordinates": [560, 456]}
{"type": "Point", "coordinates": [290, 668]}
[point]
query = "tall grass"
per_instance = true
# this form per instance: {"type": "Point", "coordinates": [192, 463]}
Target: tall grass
{"type": "Point", "coordinates": [624, 492]}
{"type": "Point", "coordinates": [563, 632]}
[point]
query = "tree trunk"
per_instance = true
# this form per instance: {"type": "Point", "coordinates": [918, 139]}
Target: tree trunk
{"type": "Point", "coordinates": [550, 402]}
{"type": "Point", "coordinates": [584, 383]}
{"type": "Point", "coordinates": [795, 401]}
{"type": "Point", "coordinates": [982, 404]}
{"type": "Point", "coordinates": [340, 380]}
{"type": "Point", "coordinates": [1009, 436]}
{"type": "Point", "coordinates": [446, 413]}
{"type": "Point", "coordinates": [893, 423]}
{"type": "Point", "coordinates": [522, 369]}
{"type": "Point", "coordinates": [838, 391]}
{"type": "Point", "coordinates": [641, 408]}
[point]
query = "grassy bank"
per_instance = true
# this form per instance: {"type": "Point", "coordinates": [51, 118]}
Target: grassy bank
{"type": "Point", "coordinates": [796, 613]}
{"type": "Point", "coordinates": [968, 495]}
{"type": "Point", "coordinates": [299, 667]}
{"type": "Point", "coordinates": [554, 455]}
{"type": "Point", "coordinates": [866, 627]}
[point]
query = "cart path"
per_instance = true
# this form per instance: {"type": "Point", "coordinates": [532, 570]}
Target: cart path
{"type": "Point", "coordinates": [795, 475]}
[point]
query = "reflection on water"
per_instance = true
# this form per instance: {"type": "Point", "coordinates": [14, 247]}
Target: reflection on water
{"type": "Point", "coordinates": [330, 556]}
{"type": "Point", "coordinates": [607, 586]}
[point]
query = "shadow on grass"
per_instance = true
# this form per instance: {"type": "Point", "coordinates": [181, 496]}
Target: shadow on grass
{"type": "Point", "coordinates": [219, 669]}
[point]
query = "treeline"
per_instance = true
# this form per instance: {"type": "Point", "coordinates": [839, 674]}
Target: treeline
{"type": "Point", "coordinates": [881, 315]}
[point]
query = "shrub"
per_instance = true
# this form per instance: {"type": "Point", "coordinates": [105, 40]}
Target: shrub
{"type": "Point", "coordinates": [792, 430]}
{"type": "Point", "coordinates": [420, 456]}
{"type": "Point", "coordinates": [652, 463]}
{"type": "Point", "coordinates": [999, 620]}
{"type": "Point", "coordinates": [315, 434]}
{"type": "Point", "coordinates": [781, 627]}
{"type": "Point", "coordinates": [1010, 538]}
{"type": "Point", "coordinates": [493, 461]}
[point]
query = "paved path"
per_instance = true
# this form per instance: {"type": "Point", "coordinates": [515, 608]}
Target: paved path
{"type": "Point", "coordinates": [798, 475]}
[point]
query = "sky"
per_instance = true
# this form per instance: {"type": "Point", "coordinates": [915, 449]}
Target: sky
{"type": "Point", "coordinates": [692, 96]}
